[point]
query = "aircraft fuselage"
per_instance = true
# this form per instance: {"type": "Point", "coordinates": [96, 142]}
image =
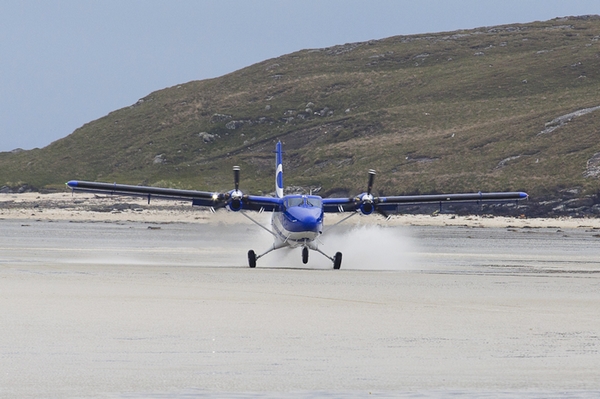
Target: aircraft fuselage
{"type": "Point", "coordinates": [299, 221]}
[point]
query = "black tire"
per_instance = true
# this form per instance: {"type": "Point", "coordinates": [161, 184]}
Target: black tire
{"type": "Point", "coordinates": [337, 261]}
{"type": "Point", "coordinates": [251, 259]}
{"type": "Point", "coordinates": [305, 255]}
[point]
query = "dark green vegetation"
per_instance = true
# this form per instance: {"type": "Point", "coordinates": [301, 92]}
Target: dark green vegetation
{"type": "Point", "coordinates": [445, 112]}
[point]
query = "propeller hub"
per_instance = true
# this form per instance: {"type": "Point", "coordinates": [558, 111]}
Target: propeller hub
{"type": "Point", "coordinates": [367, 198]}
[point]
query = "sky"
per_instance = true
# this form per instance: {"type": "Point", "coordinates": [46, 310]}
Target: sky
{"type": "Point", "coordinates": [64, 63]}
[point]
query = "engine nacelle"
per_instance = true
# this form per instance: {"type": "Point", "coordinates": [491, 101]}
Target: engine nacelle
{"type": "Point", "coordinates": [366, 206]}
{"type": "Point", "coordinates": [236, 202]}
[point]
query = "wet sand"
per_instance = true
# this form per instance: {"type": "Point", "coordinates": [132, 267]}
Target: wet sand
{"type": "Point", "coordinates": [148, 308]}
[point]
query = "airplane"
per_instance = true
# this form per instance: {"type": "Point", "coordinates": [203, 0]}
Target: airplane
{"type": "Point", "coordinates": [297, 220]}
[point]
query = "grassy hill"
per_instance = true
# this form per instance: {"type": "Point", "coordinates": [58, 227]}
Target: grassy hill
{"type": "Point", "coordinates": [457, 111]}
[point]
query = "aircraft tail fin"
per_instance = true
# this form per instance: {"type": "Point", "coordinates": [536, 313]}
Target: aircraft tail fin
{"type": "Point", "coordinates": [278, 170]}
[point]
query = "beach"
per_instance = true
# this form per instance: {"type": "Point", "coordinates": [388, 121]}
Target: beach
{"type": "Point", "coordinates": [157, 301]}
{"type": "Point", "coordinates": [90, 207]}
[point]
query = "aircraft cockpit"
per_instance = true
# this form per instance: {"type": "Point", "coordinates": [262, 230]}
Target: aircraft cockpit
{"type": "Point", "coordinates": [305, 201]}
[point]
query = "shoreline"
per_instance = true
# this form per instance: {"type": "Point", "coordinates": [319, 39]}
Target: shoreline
{"type": "Point", "coordinates": [95, 208]}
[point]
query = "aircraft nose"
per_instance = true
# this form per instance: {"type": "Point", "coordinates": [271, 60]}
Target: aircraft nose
{"type": "Point", "coordinates": [312, 221]}
{"type": "Point", "coordinates": [309, 222]}
{"type": "Point", "coordinates": [305, 220]}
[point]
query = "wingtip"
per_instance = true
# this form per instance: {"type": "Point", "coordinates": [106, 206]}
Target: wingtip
{"type": "Point", "coordinates": [71, 183]}
{"type": "Point", "coordinates": [523, 195]}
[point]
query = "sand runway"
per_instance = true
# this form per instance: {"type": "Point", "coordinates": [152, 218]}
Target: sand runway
{"type": "Point", "coordinates": [123, 310]}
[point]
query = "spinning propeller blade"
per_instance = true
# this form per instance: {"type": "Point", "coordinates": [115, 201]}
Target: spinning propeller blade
{"type": "Point", "coordinates": [370, 203]}
{"type": "Point", "coordinates": [236, 197]}
{"type": "Point", "coordinates": [365, 201]}
{"type": "Point", "coordinates": [371, 179]}
{"type": "Point", "coordinates": [236, 177]}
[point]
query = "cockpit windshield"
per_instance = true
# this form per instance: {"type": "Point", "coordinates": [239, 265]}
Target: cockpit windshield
{"type": "Point", "coordinates": [305, 200]}
{"type": "Point", "coordinates": [314, 201]}
{"type": "Point", "coordinates": [294, 201]}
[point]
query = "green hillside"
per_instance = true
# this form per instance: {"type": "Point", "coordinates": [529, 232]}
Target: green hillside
{"type": "Point", "coordinates": [457, 111]}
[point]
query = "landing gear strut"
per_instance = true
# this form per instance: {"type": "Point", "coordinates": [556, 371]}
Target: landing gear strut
{"type": "Point", "coordinates": [337, 259]}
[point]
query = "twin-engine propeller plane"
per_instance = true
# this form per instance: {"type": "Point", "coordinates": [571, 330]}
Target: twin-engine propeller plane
{"type": "Point", "coordinates": [297, 220]}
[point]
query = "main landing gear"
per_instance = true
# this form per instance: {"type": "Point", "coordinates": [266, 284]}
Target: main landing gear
{"type": "Point", "coordinates": [337, 259]}
{"type": "Point", "coordinates": [251, 259]}
{"type": "Point", "coordinates": [306, 245]}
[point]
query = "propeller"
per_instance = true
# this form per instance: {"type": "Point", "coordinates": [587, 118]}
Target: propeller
{"type": "Point", "coordinates": [371, 180]}
{"type": "Point", "coordinates": [232, 199]}
{"type": "Point", "coordinates": [366, 202]}
{"type": "Point", "coordinates": [236, 177]}
{"type": "Point", "coordinates": [235, 202]}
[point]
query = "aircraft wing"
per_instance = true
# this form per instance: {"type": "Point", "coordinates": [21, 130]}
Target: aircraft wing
{"type": "Point", "coordinates": [366, 203]}
{"type": "Point", "coordinates": [260, 204]}
{"type": "Point", "coordinates": [394, 203]}
{"type": "Point", "coordinates": [215, 200]}
{"type": "Point", "coordinates": [138, 191]}
{"type": "Point", "coordinates": [334, 205]}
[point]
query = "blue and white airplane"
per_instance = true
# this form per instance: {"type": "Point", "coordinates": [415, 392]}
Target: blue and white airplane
{"type": "Point", "coordinates": [297, 220]}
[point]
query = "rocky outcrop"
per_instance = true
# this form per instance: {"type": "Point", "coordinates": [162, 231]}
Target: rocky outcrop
{"type": "Point", "coordinates": [593, 166]}
{"type": "Point", "coordinates": [206, 137]}
{"type": "Point", "coordinates": [216, 118]}
{"type": "Point", "coordinates": [159, 159]}
{"type": "Point", "coordinates": [564, 119]}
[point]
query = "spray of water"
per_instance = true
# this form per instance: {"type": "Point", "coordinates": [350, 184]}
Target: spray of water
{"type": "Point", "coordinates": [364, 247]}
{"type": "Point", "coordinates": [372, 247]}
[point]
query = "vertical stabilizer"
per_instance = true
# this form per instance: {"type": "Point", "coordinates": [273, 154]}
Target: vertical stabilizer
{"type": "Point", "coordinates": [278, 171]}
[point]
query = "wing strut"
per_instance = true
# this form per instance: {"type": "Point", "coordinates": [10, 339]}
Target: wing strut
{"type": "Point", "coordinates": [244, 213]}
{"type": "Point", "coordinates": [340, 222]}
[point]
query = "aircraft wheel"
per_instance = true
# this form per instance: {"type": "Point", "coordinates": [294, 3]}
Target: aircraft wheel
{"type": "Point", "coordinates": [305, 255]}
{"type": "Point", "coordinates": [251, 259]}
{"type": "Point", "coordinates": [337, 262]}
